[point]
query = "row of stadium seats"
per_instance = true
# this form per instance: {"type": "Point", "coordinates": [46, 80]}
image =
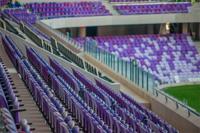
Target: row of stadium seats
{"type": "Point", "coordinates": [153, 8]}
{"type": "Point", "coordinates": [45, 71]}
{"type": "Point", "coordinates": [10, 106]}
{"type": "Point", "coordinates": [20, 14]}
{"type": "Point", "coordinates": [171, 58]}
{"type": "Point", "coordinates": [95, 108]}
{"type": "Point", "coordinates": [67, 9]}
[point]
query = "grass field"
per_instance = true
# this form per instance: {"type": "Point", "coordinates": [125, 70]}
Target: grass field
{"type": "Point", "coordinates": [188, 93]}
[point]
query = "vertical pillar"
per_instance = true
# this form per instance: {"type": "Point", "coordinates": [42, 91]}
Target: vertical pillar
{"type": "Point", "coordinates": [164, 29]}
{"type": "Point", "coordinates": [82, 31]}
{"type": "Point", "coordinates": [184, 28]}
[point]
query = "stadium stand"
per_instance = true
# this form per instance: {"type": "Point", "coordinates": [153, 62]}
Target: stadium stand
{"type": "Point", "coordinates": [165, 56]}
{"type": "Point", "coordinates": [65, 98]}
{"type": "Point", "coordinates": [73, 91]}
{"type": "Point", "coordinates": [67, 9]}
{"type": "Point", "coordinates": [153, 8]}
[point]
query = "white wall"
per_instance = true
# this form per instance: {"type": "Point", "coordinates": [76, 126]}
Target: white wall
{"type": "Point", "coordinates": [122, 20]}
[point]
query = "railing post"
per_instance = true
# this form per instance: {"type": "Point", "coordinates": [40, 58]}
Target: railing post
{"type": "Point", "coordinates": [122, 69]}
{"type": "Point", "coordinates": [142, 78]}
{"type": "Point", "coordinates": [176, 105]}
{"type": "Point", "coordinates": [138, 76]}
{"type": "Point", "coordinates": [147, 81]}
{"type": "Point", "coordinates": [118, 65]}
{"type": "Point", "coordinates": [114, 67]}
{"type": "Point", "coordinates": [134, 71]}
{"type": "Point", "coordinates": [111, 61]}
{"type": "Point", "coordinates": [156, 93]}
{"type": "Point", "coordinates": [153, 91]}
{"type": "Point", "coordinates": [188, 113]}
{"type": "Point", "coordinates": [104, 56]}
{"type": "Point", "coordinates": [126, 69]}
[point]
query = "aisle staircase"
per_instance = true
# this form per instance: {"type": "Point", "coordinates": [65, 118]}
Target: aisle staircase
{"type": "Point", "coordinates": [32, 112]}
{"type": "Point", "coordinates": [110, 7]}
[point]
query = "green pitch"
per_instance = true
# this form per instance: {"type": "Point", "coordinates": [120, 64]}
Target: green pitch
{"type": "Point", "coordinates": [189, 94]}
